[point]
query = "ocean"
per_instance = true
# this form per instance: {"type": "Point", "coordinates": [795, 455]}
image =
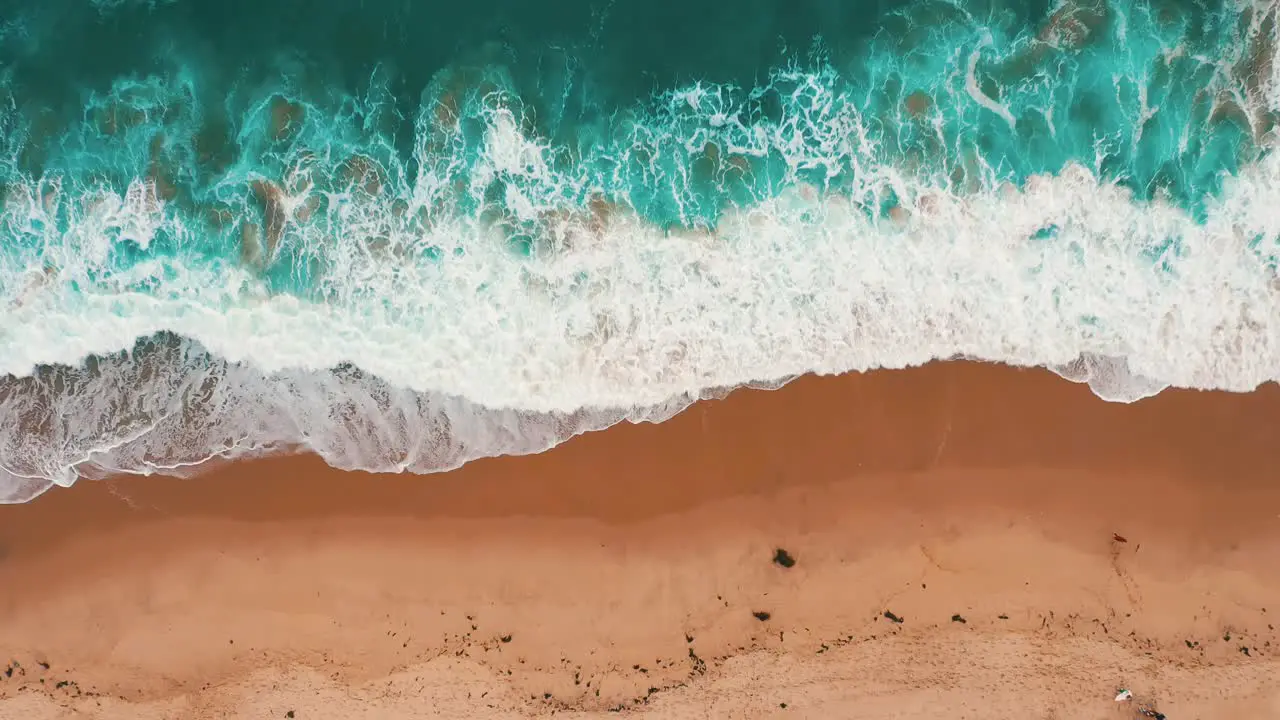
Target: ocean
{"type": "Point", "coordinates": [405, 234]}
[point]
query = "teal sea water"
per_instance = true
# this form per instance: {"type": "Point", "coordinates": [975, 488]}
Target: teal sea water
{"type": "Point", "coordinates": [408, 233]}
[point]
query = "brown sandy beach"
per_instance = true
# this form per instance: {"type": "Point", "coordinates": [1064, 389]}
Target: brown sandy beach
{"type": "Point", "coordinates": [961, 541]}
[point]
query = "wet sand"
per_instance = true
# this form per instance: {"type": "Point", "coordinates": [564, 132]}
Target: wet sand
{"type": "Point", "coordinates": [958, 541]}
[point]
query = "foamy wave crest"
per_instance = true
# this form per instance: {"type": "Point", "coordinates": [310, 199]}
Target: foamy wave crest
{"type": "Point", "coordinates": [168, 406]}
{"type": "Point", "coordinates": [511, 355]}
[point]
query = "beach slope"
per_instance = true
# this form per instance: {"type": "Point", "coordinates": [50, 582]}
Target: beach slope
{"type": "Point", "coordinates": [958, 540]}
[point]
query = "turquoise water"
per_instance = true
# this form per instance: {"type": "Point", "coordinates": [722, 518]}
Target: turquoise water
{"type": "Point", "coordinates": [407, 234]}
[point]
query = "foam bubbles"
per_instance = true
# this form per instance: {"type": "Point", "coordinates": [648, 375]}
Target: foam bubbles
{"type": "Point", "coordinates": [490, 353]}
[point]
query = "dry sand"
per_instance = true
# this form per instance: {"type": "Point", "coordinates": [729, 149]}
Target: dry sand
{"type": "Point", "coordinates": [1037, 549]}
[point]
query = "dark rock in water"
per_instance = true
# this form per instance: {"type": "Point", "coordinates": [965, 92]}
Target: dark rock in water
{"type": "Point", "coordinates": [363, 174]}
{"type": "Point", "coordinates": [286, 118]}
{"type": "Point", "coordinates": [271, 197]}
{"type": "Point", "coordinates": [252, 253]}
{"type": "Point", "coordinates": [783, 558]}
{"type": "Point", "coordinates": [158, 172]}
{"type": "Point", "coordinates": [918, 103]}
{"type": "Point", "coordinates": [761, 615]}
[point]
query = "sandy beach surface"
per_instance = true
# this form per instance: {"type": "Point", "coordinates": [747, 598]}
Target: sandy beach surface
{"type": "Point", "coordinates": [954, 541]}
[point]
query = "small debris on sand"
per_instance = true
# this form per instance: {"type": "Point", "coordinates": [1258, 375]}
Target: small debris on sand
{"type": "Point", "coordinates": [1143, 710]}
{"type": "Point", "coordinates": [1119, 538]}
{"type": "Point", "coordinates": [893, 618]}
{"type": "Point", "coordinates": [783, 558]}
{"type": "Point", "coordinates": [959, 618]}
{"type": "Point", "coordinates": [761, 615]}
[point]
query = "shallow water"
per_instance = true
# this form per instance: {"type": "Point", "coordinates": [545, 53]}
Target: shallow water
{"type": "Point", "coordinates": [408, 234]}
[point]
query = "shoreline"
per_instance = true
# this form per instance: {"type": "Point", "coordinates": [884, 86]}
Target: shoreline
{"type": "Point", "coordinates": [1083, 545]}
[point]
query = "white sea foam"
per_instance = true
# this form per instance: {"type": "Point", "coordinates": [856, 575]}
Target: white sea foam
{"type": "Point", "coordinates": [481, 352]}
